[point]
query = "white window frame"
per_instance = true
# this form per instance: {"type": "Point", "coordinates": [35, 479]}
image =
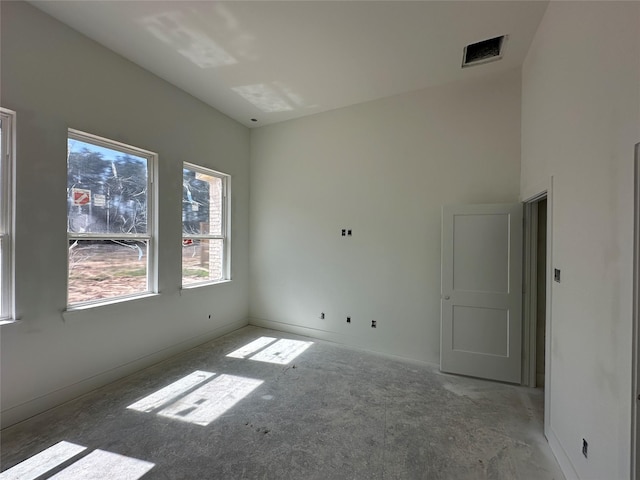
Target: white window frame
{"type": "Point", "coordinates": [226, 226]}
{"type": "Point", "coordinates": [7, 185]}
{"type": "Point", "coordinates": [150, 237]}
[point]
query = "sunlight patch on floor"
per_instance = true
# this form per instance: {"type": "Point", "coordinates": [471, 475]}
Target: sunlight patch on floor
{"type": "Point", "coordinates": [42, 462]}
{"type": "Point", "coordinates": [211, 400]}
{"type": "Point", "coordinates": [282, 352]}
{"type": "Point", "coordinates": [171, 392]}
{"type": "Point", "coordinates": [196, 398]}
{"type": "Point", "coordinates": [252, 347]}
{"type": "Point", "coordinates": [98, 465]}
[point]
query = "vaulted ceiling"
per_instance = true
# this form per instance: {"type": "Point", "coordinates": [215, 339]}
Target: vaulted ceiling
{"type": "Point", "coordinates": [278, 60]}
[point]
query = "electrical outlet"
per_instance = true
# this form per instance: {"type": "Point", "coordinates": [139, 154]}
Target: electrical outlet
{"type": "Point", "coordinates": [585, 448]}
{"type": "Point", "coordinates": [322, 316]}
{"type": "Point", "coordinates": [349, 232]}
{"type": "Point", "coordinates": [556, 274]}
{"type": "Point", "coordinates": [344, 232]}
{"type": "Point", "coordinates": [348, 319]}
{"type": "Point", "coordinates": [209, 316]}
{"type": "Point", "coordinates": [374, 324]}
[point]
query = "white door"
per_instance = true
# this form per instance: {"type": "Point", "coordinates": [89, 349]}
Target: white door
{"type": "Point", "coordinates": [481, 300]}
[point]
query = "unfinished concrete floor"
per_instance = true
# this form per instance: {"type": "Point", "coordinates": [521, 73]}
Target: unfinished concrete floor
{"type": "Point", "coordinates": [331, 412]}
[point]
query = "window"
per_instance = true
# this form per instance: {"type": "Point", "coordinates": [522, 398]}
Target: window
{"type": "Point", "coordinates": [205, 214]}
{"type": "Point", "coordinates": [6, 213]}
{"type": "Point", "coordinates": [110, 200]}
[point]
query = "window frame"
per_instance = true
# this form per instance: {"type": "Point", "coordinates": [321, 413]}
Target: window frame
{"type": "Point", "coordinates": [150, 237]}
{"type": "Point", "coordinates": [225, 235]}
{"type": "Point", "coordinates": [7, 215]}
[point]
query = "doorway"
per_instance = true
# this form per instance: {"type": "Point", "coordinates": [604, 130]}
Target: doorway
{"type": "Point", "coordinates": [541, 291]}
{"type": "Point", "coordinates": [635, 424]}
{"type": "Point", "coordinates": [535, 291]}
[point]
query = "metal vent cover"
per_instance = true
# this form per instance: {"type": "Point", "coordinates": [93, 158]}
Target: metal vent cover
{"type": "Point", "coordinates": [484, 51]}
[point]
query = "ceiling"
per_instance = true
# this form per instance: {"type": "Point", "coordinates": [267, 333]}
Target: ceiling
{"type": "Point", "coordinates": [274, 61]}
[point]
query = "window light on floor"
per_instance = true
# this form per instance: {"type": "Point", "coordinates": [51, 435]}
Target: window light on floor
{"type": "Point", "coordinates": [282, 352]}
{"type": "Point", "coordinates": [96, 465]}
{"type": "Point", "coordinates": [211, 399]}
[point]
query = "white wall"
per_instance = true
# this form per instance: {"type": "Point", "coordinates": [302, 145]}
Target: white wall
{"type": "Point", "coordinates": [384, 169]}
{"type": "Point", "coordinates": [580, 121]}
{"type": "Point", "coordinates": [54, 78]}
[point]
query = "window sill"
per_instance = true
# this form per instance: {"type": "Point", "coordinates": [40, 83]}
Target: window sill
{"type": "Point", "coordinates": [74, 312]}
{"type": "Point", "coordinates": [8, 321]}
{"type": "Point", "coordinates": [196, 286]}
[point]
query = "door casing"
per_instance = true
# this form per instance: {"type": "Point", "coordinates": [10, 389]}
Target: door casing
{"type": "Point", "coordinates": [530, 292]}
{"type": "Point", "coordinates": [635, 390]}
{"type": "Point", "coordinates": [529, 306]}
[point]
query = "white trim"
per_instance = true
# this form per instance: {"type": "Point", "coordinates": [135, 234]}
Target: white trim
{"type": "Point", "coordinates": [153, 220]}
{"type": "Point", "coordinates": [225, 227]}
{"type": "Point", "coordinates": [70, 313]}
{"type": "Point", "coordinates": [350, 341]}
{"type": "Point", "coordinates": [203, 236]}
{"type": "Point", "coordinates": [109, 236]}
{"type": "Point", "coordinates": [537, 197]}
{"type": "Point", "coordinates": [151, 235]}
{"type": "Point", "coordinates": [529, 317]}
{"type": "Point", "coordinates": [226, 219]}
{"type": "Point", "coordinates": [7, 215]}
{"type": "Point", "coordinates": [635, 390]}
{"type": "Point", "coordinates": [533, 306]}
{"type": "Point", "coordinates": [204, 170]}
{"type": "Point", "coordinates": [110, 144]}
{"type": "Point", "coordinates": [530, 310]}
{"type": "Point", "coordinates": [195, 286]}
{"type": "Point", "coordinates": [548, 314]}
{"type": "Point", "coordinates": [561, 456]}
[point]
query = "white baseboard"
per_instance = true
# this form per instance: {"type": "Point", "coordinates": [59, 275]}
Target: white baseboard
{"type": "Point", "coordinates": [561, 456]}
{"type": "Point", "coordinates": [334, 337]}
{"type": "Point", "coordinates": [306, 331]}
{"type": "Point", "coordinates": [30, 408]}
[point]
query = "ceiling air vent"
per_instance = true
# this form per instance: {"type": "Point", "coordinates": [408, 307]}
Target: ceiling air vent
{"type": "Point", "coordinates": [484, 51]}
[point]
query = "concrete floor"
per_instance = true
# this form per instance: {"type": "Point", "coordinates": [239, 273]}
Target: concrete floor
{"type": "Point", "coordinates": [331, 413]}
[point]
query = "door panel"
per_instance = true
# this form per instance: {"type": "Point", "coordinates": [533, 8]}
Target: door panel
{"type": "Point", "coordinates": [480, 330]}
{"type": "Point", "coordinates": [477, 268]}
{"type": "Point", "coordinates": [482, 291]}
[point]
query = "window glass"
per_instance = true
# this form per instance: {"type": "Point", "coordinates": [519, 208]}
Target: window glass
{"type": "Point", "coordinates": [108, 221]}
{"type": "Point", "coordinates": [100, 269]}
{"type": "Point", "coordinates": [201, 204]}
{"type": "Point", "coordinates": [202, 260]}
{"type": "Point", "coordinates": [204, 229]}
{"type": "Point", "coordinates": [6, 213]}
{"type": "Point", "coordinates": [107, 190]}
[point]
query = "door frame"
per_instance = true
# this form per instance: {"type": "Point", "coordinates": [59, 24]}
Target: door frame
{"type": "Point", "coordinates": [635, 419]}
{"type": "Point", "coordinates": [530, 292]}
{"type": "Point", "coordinates": [530, 298]}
